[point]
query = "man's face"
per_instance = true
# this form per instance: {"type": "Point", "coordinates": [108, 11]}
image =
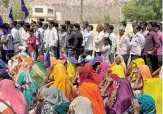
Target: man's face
{"type": "Point", "coordinates": [18, 26]}
{"type": "Point", "coordinates": [135, 30]}
{"type": "Point", "coordinates": [121, 32]}
{"type": "Point", "coordinates": [156, 29]}
{"type": "Point", "coordinates": [149, 27]}
{"type": "Point", "coordinates": [50, 25]}
{"type": "Point", "coordinates": [74, 29]}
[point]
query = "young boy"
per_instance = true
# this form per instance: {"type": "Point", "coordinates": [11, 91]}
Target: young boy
{"type": "Point", "coordinates": [31, 45]}
{"type": "Point", "coordinates": [106, 49]}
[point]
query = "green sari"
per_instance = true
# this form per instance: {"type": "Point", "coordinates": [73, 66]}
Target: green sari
{"type": "Point", "coordinates": [39, 73]}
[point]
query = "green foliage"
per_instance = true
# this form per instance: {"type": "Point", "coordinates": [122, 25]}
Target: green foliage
{"type": "Point", "coordinates": [5, 3]}
{"type": "Point", "coordinates": [143, 10]}
{"type": "Point", "coordinates": [16, 6]}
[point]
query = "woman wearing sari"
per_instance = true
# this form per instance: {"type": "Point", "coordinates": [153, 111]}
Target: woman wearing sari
{"type": "Point", "coordinates": [102, 69]}
{"type": "Point", "coordinates": [119, 67]}
{"type": "Point", "coordinates": [153, 87]}
{"type": "Point", "coordinates": [61, 80]}
{"type": "Point", "coordinates": [14, 101]}
{"type": "Point", "coordinates": [54, 102]}
{"type": "Point", "coordinates": [123, 98]}
{"type": "Point", "coordinates": [87, 74]}
{"type": "Point", "coordinates": [92, 92]}
{"type": "Point", "coordinates": [81, 105]}
{"type": "Point", "coordinates": [29, 88]}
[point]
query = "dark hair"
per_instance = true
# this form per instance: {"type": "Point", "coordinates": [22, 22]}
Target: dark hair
{"type": "Point", "coordinates": [40, 23]}
{"type": "Point", "coordinates": [21, 23]}
{"type": "Point", "coordinates": [107, 24]}
{"type": "Point", "coordinates": [31, 31]}
{"type": "Point", "coordinates": [86, 23]}
{"type": "Point", "coordinates": [139, 27]}
{"type": "Point", "coordinates": [158, 26]}
{"type": "Point", "coordinates": [56, 24]}
{"type": "Point", "coordinates": [14, 23]}
{"type": "Point", "coordinates": [124, 23]}
{"type": "Point", "coordinates": [144, 24]}
{"type": "Point", "coordinates": [76, 25]}
{"type": "Point", "coordinates": [108, 40]}
{"type": "Point", "coordinates": [67, 22]}
{"type": "Point", "coordinates": [5, 26]}
{"type": "Point", "coordinates": [63, 27]}
{"type": "Point", "coordinates": [46, 25]}
{"type": "Point", "coordinates": [153, 24]}
{"type": "Point", "coordinates": [111, 27]}
{"type": "Point", "coordinates": [51, 22]}
{"type": "Point", "coordinates": [90, 26]}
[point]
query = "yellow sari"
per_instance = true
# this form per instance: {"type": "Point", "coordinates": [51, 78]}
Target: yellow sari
{"type": "Point", "coordinates": [118, 69]}
{"type": "Point", "coordinates": [61, 80]}
{"type": "Point", "coordinates": [153, 87]}
{"type": "Point", "coordinates": [71, 70]}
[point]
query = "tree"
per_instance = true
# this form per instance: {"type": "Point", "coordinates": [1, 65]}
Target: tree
{"type": "Point", "coordinates": [143, 10]}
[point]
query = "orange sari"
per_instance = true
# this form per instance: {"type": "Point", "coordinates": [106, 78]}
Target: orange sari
{"type": "Point", "coordinates": [92, 92]}
{"type": "Point", "coordinates": [145, 72]}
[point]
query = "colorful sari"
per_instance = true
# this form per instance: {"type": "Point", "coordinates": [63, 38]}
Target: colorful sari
{"type": "Point", "coordinates": [119, 70]}
{"type": "Point", "coordinates": [103, 69]}
{"type": "Point", "coordinates": [62, 81]}
{"type": "Point", "coordinates": [147, 105]}
{"type": "Point", "coordinates": [87, 74]}
{"type": "Point", "coordinates": [29, 88]}
{"type": "Point", "coordinates": [124, 97]}
{"type": "Point", "coordinates": [145, 72]}
{"type": "Point", "coordinates": [39, 73]}
{"type": "Point", "coordinates": [71, 69]}
{"type": "Point", "coordinates": [10, 94]}
{"type": "Point", "coordinates": [92, 92]}
{"type": "Point", "coordinates": [55, 102]}
{"type": "Point", "coordinates": [153, 87]}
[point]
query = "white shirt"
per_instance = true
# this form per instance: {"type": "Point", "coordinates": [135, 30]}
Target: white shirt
{"type": "Point", "coordinates": [113, 39]}
{"type": "Point", "coordinates": [85, 37]}
{"type": "Point", "coordinates": [21, 34]}
{"type": "Point", "coordinates": [137, 44]}
{"type": "Point", "coordinates": [89, 42]}
{"type": "Point", "coordinates": [9, 44]}
{"type": "Point", "coordinates": [39, 32]}
{"type": "Point", "coordinates": [144, 33]}
{"type": "Point", "coordinates": [105, 54]}
{"type": "Point", "coordinates": [99, 41]}
{"type": "Point", "coordinates": [14, 33]}
{"type": "Point", "coordinates": [123, 45]}
{"type": "Point", "coordinates": [52, 37]}
{"type": "Point", "coordinates": [106, 34]}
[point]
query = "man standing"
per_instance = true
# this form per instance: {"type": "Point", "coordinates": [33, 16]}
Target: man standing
{"type": "Point", "coordinates": [99, 39]}
{"type": "Point", "coordinates": [76, 40]}
{"type": "Point", "coordinates": [158, 53]}
{"type": "Point", "coordinates": [14, 33]}
{"type": "Point", "coordinates": [151, 45]}
{"type": "Point", "coordinates": [84, 33]}
{"type": "Point", "coordinates": [53, 38]}
{"type": "Point", "coordinates": [137, 43]}
{"type": "Point", "coordinates": [40, 37]}
{"type": "Point", "coordinates": [21, 33]}
{"type": "Point", "coordinates": [112, 37]}
{"type": "Point", "coordinates": [123, 43]}
{"type": "Point", "coordinates": [62, 35]}
{"type": "Point", "coordinates": [106, 25]}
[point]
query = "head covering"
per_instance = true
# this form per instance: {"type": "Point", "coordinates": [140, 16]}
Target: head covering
{"type": "Point", "coordinates": [103, 69]}
{"type": "Point", "coordinates": [98, 59]}
{"type": "Point", "coordinates": [8, 92]}
{"type": "Point", "coordinates": [145, 72]}
{"type": "Point", "coordinates": [87, 74]}
{"type": "Point", "coordinates": [147, 104]}
{"type": "Point", "coordinates": [119, 70]}
{"type": "Point", "coordinates": [139, 62]}
{"type": "Point", "coordinates": [92, 92]}
{"type": "Point", "coordinates": [153, 87]}
{"type": "Point", "coordinates": [54, 96]}
{"type": "Point", "coordinates": [124, 97]}
{"type": "Point", "coordinates": [81, 105]}
{"type": "Point", "coordinates": [28, 87]}
{"type": "Point", "coordinates": [115, 77]}
{"type": "Point", "coordinates": [62, 81]}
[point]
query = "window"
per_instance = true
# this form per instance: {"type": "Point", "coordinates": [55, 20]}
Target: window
{"type": "Point", "coordinates": [39, 10]}
{"type": "Point", "coordinates": [50, 10]}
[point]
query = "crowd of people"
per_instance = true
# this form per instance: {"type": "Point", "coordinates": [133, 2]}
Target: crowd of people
{"type": "Point", "coordinates": [47, 68]}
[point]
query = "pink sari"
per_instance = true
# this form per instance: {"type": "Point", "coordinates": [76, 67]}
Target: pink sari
{"type": "Point", "coordinates": [10, 94]}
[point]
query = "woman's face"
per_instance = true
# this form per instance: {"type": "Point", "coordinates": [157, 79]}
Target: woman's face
{"type": "Point", "coordinates": [118, 60]}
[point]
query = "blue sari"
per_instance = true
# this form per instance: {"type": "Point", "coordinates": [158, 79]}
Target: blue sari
{"type": "Point", "coordinates": [29, 88]}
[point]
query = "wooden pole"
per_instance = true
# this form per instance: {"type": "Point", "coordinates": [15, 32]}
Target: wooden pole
{"type": "Point", "coordinates": [81, 13]}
